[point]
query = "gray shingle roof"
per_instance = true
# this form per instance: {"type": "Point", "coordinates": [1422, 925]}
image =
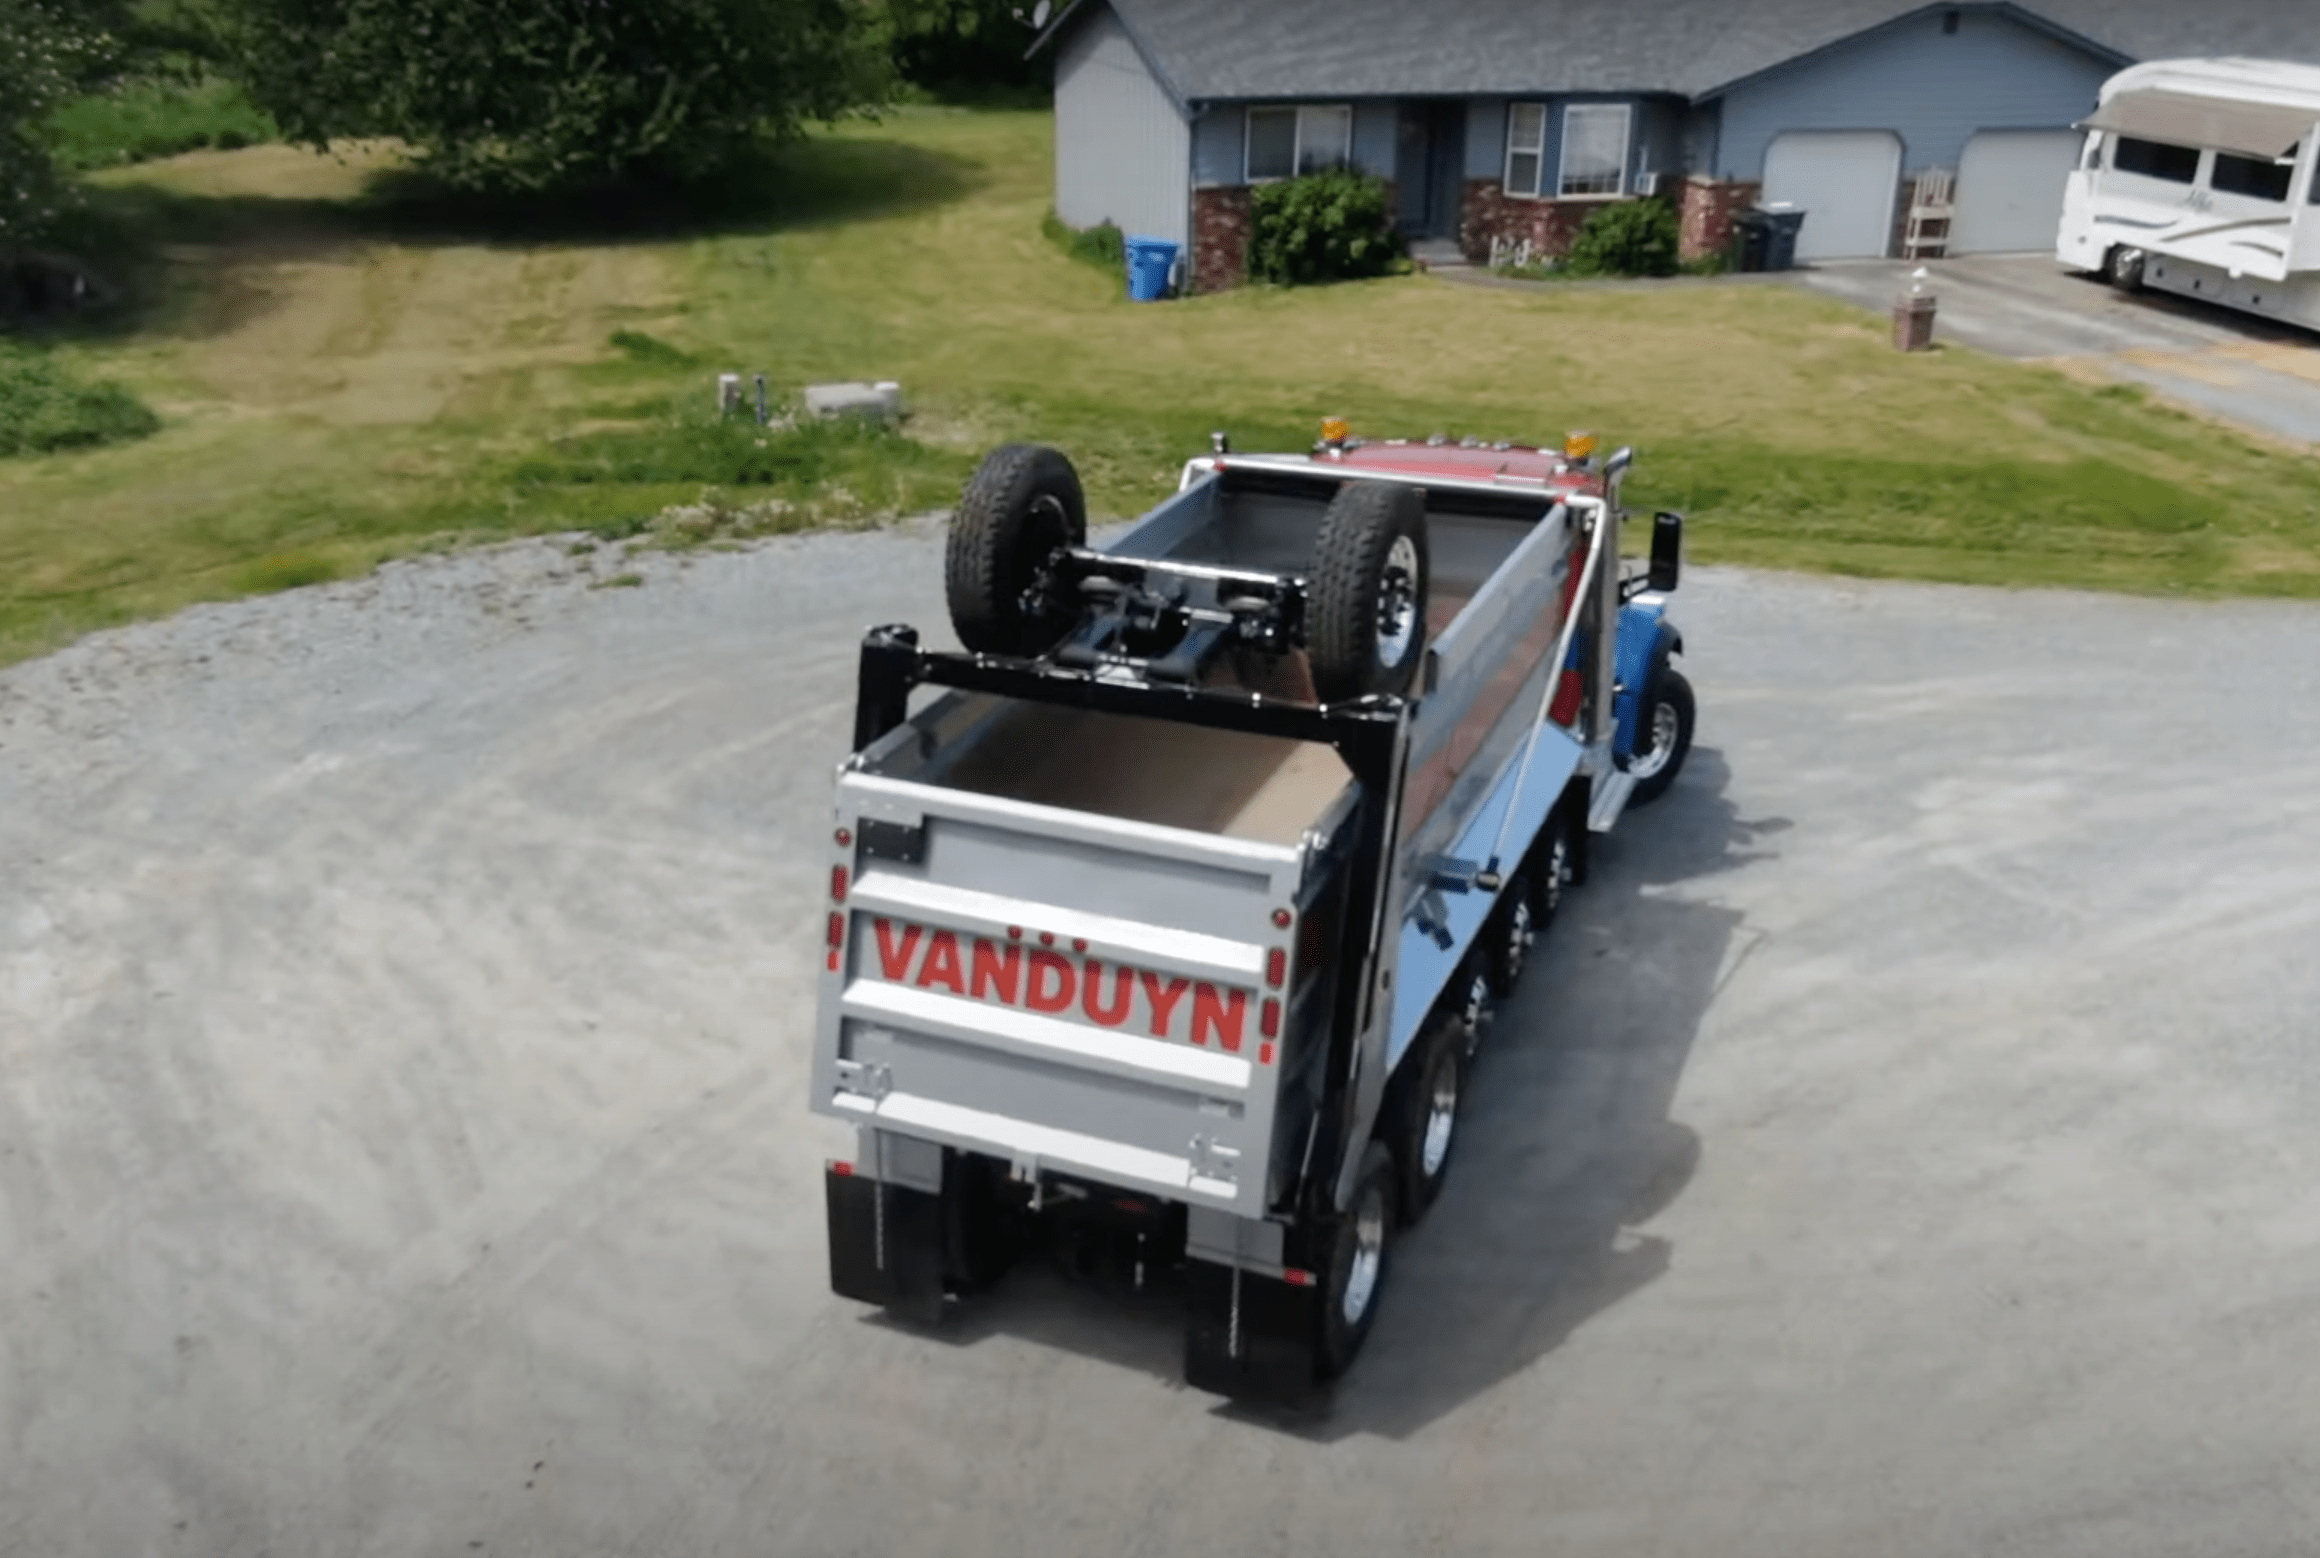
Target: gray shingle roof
{"type": "Point", "coordinates": [1361, 48]}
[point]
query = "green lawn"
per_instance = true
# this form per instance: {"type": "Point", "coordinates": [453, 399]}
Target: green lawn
{"type": "Point", "coordinates": [347, 376]}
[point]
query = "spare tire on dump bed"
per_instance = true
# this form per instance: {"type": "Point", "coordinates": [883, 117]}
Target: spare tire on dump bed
{"type": "Point", "coordinates": [1365, 612]}
{"type": "Point", "coordinates": [1022, 505]}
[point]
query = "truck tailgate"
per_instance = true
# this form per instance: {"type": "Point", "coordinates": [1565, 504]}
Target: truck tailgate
{"type": "Point", "coordinates": [1058, 989]}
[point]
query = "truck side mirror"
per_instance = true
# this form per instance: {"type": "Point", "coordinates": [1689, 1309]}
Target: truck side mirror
{"type": "Point", "coordinates": [1667, 546]}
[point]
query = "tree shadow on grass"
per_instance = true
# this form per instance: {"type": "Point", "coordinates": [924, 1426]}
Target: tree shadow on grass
{"type": "Point", "coordinates": [1567, 1150]}
{"type": "Point", "coordinates": [192, 265]}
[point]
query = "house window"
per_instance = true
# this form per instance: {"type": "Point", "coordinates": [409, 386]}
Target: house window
{"type": "Point", "coordinates": [2155, 160]}
{"type": "Point", "coordinates": [1287, 141]}
{"type": "Point", "coordinates": [1526, 147]}
{"type": "Point", "coordinates": [1594, 150]}
{"type": "Point", "coordinates": [2257, 178]}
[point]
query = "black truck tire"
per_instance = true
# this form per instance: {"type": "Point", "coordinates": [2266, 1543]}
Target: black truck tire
{"type": "Point", "coordinates": [1426, 1126]}
{"type": "Point", "coordinates": [1365, 627]}
{"type": "Point", "coordinates": [1356, 1275]}
{"type": "Point", "coordinates": [1021, 506]}
{"type": "Point", "coordinates": [1663, 734]}
{"type": "Point", "coordinates": [1508, 934]}
{"type": "Point", "coordinates": [2123, 268]}
{"type": "Point", "coordinates": [1550, 870]}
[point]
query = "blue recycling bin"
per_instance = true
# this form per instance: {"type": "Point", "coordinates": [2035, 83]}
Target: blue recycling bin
{"type": "Point", "coordinates": [1149, 261]}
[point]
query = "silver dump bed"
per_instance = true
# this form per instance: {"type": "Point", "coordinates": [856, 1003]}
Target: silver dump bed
{"type": "Point", "coordinates": [1069, 939]}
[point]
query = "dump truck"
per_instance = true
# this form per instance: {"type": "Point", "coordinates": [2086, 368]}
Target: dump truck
{"type": "Point", "coordinates": [1167, 916]}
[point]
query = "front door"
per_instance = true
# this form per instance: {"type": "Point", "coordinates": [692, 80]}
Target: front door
{"type": "Point", "coordinates": [1429, 168]}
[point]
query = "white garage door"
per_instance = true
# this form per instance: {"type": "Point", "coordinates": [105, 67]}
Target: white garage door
{"type": "Point", "coordinates": [1845, 181]}
{"type": "Point", "coordinates": [2009, 189]}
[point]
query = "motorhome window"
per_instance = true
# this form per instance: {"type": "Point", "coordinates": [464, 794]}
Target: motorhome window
{"type": "Point", "coordinates": [2156, 160]}
{"type": "Point", "coordinates": [2259, 178]}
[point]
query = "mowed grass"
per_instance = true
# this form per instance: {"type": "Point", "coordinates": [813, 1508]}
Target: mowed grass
{"type": "Point", "coordinates": [346, 376]}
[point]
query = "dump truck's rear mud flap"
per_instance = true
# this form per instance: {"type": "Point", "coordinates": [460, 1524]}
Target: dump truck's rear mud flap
{"type": "Point", "coordinates": [1268, 1351]}
{"type": "Point", "coordinates": [886, 1245]}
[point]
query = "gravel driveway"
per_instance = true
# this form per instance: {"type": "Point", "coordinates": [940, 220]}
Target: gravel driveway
{"type": "Point", "coordinates": [1903, 1146]}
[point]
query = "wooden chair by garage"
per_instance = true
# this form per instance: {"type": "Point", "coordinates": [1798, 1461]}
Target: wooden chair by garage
{"type": "Point", "coordinates": [1931, 203]}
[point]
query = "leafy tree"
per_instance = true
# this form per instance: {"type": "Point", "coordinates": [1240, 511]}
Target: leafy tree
{"type": "Point", "coordinates": [534, 94]}
{"type": "Point", "coordinates": [966, 48]}
{"type": "Point", "coordinates": [46, 52]}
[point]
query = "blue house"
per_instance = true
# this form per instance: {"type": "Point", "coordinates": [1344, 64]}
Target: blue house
{"type": "Point", "coordinates": [1513, 120]}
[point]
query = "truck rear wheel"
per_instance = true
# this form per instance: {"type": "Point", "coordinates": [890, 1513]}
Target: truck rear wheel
{"type": "Point", "coordinates": [1428, 1122]}
{"type": "Point", "coordinates": [1357, 1264]}
{"type": "Point", "coordinates": [1665, 737]}
{"type": "Point", "coordinates": [1550, 871]}
{"type": "Point", "coordinates": [1022, 505]}
{"type": "Point", "coordinates": [1366, 616]}
{"type": "Point", "coordinates": [1508, 935]}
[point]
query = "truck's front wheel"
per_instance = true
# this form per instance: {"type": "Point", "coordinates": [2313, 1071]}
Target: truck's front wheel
{"type": "Point", "coordinates": [1666, 737]}
{"type": "Point", "coordinates": [1357, 1264]}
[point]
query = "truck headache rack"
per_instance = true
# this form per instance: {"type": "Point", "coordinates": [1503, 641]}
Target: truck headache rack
{"type": "Point", "coordinates": [893, 665]}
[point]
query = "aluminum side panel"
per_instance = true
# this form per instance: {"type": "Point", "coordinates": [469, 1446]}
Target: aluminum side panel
{"type": "Point", "coordinates": [1423, 965]}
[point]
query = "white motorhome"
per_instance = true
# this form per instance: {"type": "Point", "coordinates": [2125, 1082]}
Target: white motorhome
{"type": "Point", "coordinates": [2198, 177]}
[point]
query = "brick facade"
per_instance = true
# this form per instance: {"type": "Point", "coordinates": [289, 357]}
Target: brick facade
{"type": "Point", "coordinates": [1220, 238]}
{"type": "Point", "coordinates": [1704, 213]}
{"type": "Point", "coordinates": [1489, 212]}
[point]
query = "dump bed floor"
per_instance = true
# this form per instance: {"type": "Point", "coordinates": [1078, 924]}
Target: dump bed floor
{"type": "Point", "coordinates": [1262, 788]}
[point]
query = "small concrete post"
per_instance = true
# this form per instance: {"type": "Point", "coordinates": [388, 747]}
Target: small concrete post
{"type": "Point", "coordinates": [728, 393]}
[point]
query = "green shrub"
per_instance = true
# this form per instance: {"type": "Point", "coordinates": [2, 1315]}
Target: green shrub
{"type": "Point", "coordinates": [1333, 226]}
{"type": "Point", "coordinates": [1631, 238]}
{"type": "Point", "coordinates": [159, 116]}
{"type": "Point", "coordinates": [1102, 245]}
{"type": "Point", "coordinates": [42, 407]}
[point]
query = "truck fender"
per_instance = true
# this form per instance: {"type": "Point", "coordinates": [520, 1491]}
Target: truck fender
{"type": "Point", "coordinates": [1646, 640]}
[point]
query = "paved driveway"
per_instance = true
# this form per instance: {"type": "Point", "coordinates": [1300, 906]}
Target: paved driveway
{"type": "Point", "coordinates": [1902, 1147]}
{"type": "Point", "coordinates": [2235, 366]}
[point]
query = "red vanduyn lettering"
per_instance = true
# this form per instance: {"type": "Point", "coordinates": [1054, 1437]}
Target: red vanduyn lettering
{"type": "Point", "coordinates": [1123, 994]}
{"type": "Point", "coordinates": [997, 971]}
{"type": "Point", "coordinates": [894, 961]}
{"type": "Point", "coordinates": [1223, 1013]}
{"type": "Point", "coordinates": [1163, 999]}
{"type": "Point", "coordinates": [942, 964]}
{"type": "Point", "coordinates": [1042, 998]}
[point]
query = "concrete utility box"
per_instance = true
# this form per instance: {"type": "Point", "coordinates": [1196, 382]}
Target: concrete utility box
{"type": "Point", "coordinates": [880, 402]}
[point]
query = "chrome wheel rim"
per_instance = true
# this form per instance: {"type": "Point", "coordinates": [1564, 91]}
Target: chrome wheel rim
{"type": "Point", "coordinates": [1477, 1003]}
{"type": "Point", "coordinates": [1369, 1256]}
{"type": "Point", "coordinates": [1518, 937]}
{"type": "Point", "coordinates": [1664, 726]}
{"type": "Point", "coordinates": [1441, 1120]}
{"type": "Point", "coordinates": [1558, 861]}
{"type": "Point", "coordinates": [1398, 603]}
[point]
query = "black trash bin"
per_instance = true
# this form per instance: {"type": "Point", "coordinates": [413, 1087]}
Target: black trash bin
{"type": "Point", "coordinates": [1781, 223]}
{"type": "Point", "coordinates": [1750, 233]}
